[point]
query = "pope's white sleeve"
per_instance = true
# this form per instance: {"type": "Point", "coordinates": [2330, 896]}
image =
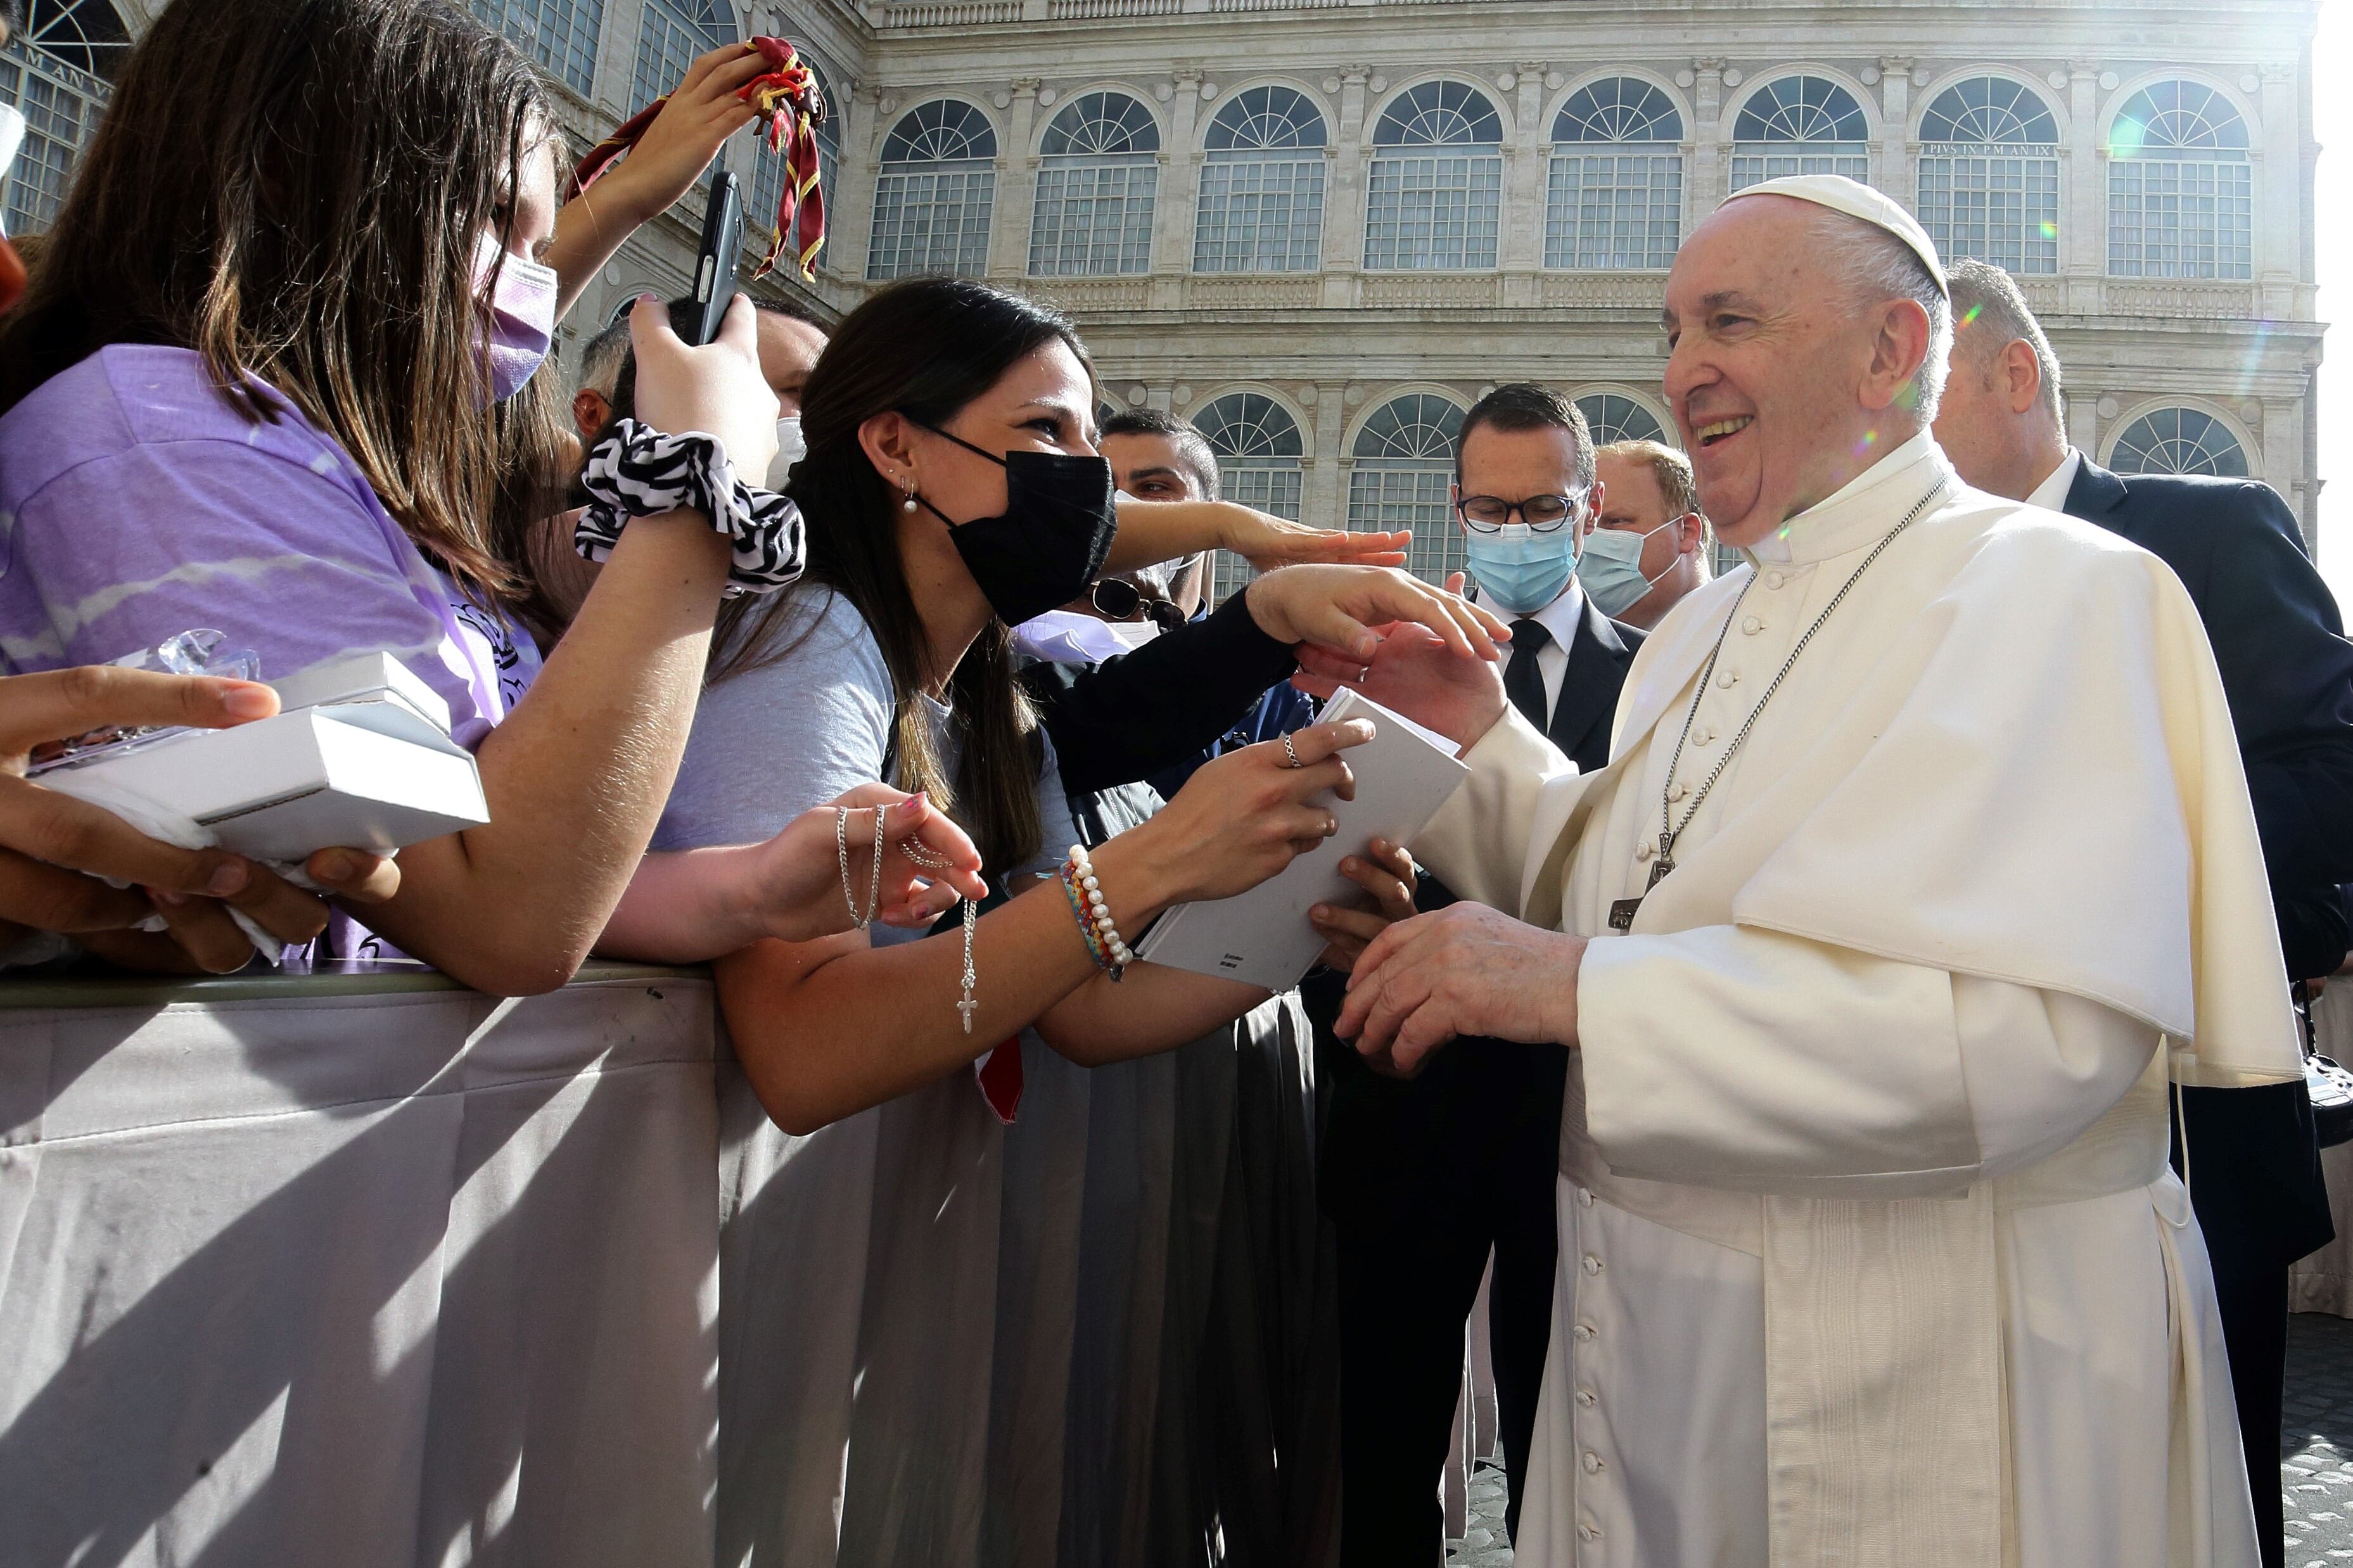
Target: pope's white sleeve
{"type": "Point", "coordinates": [1733, 1057]}
{"type": "Point", "coordinates": [1479, 842]}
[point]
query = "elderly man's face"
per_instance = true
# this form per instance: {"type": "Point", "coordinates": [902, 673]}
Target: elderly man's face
{"type": "Point", "coordinates": [1766, 357]}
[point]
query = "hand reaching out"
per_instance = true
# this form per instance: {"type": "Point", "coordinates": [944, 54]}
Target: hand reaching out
{"type": "Point", "coordinates": [1268, 542]}
{"type": "Point", "coordinates": [1338, 607]}
{"type": "Point", "coordinates": [56, 853]}
{"type": "Point", "coordinates": [1384, 871]}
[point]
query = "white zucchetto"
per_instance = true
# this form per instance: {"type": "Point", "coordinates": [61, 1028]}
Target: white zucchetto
{"type": "Point", "coordinates": [1842, 195]}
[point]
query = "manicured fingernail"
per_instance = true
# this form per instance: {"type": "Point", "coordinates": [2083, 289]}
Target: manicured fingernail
{"type": "Point", "coordinates": [1320, 912]}
{"type": "Point", "coordinates": [249, 701]}
{"type": "Point", "coordinates": [643, 298]}
{"type": "Point", "coordinates": [1364, 646]}
{"type": "Point", "coordinates": [227, 879]}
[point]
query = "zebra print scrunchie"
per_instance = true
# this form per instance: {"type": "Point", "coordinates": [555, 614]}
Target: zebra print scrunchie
{"type": "Point", "coordinates": [637, 471]}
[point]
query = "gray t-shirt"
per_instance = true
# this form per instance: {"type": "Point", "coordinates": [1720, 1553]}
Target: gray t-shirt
{"type": "Point", "coordinates": [771, 743]}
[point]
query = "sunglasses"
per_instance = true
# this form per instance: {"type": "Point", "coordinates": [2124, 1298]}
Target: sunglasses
{"type": "Point", "coordinates": [1119, 599]}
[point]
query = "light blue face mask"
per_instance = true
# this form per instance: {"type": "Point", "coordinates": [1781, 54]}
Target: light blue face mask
{"type": "Point", "coordinates": [1518, 571]}
{"type": "Point", "coordinates": [1612, 569]}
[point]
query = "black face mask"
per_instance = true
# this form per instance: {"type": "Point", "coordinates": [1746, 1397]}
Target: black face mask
{"type": "Point", "coordinates": [1051, 538]}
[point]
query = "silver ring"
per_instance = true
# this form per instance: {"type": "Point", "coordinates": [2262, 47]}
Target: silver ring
{"type": "Point", "coordinates": [1294, 762]}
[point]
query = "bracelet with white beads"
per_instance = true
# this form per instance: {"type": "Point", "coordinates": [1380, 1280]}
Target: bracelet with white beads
{"type": "Point", "coordinates": [1082, 878]}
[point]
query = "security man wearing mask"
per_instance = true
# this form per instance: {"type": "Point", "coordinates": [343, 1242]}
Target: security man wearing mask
{"type": "Point", "coordinates": [1647, 549]}
{"type": "Point", "coordinates": [1423, 1179]}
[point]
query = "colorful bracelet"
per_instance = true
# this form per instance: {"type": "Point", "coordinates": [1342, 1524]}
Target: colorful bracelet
{"type": "Point", "coordinates": [1104, 943]}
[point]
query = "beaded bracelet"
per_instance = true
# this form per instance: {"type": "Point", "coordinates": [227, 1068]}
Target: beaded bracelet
{"type": "Point", "coordinates": [1104, 943]}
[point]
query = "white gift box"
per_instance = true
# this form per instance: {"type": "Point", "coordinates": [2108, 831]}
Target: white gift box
{"type": "Point", "coordinates": [365, 761]}
{"type": "Point", "coordinates": [1404, 773]}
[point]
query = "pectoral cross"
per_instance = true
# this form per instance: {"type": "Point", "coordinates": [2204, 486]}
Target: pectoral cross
{"type": "Point", "coordinates": [1622, 912]}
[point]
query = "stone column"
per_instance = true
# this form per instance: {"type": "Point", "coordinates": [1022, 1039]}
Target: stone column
{"type": "Point", "coordinates": [1520, 248]}
{"type": "Point", "coordinates": [849, 215]}
{"type": "Point", "coordinates": [1179, 192]}
{"type": "Point", "coordinates": [1323, 495]}
{"type": "Point", "coordinates": [2083, 227]}
{"type": "Point", "coordinates": [1898, 172]}
{"type": "Point", "coordinates": [2279, 197]}
{"type": "Point", "coordinates": [1708, 170]}
{"type": "Point", "coordinates": [616, 57]}
{"type": "Point", "coordinates": [1017, 185]}
{"type": "Point", "coordinates": [1344, 194]}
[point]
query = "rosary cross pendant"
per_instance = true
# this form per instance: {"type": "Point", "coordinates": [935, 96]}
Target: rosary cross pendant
{"type": "Point", "coordinates": [967, 1008]}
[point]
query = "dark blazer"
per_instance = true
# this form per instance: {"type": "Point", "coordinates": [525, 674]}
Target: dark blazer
{"type": "Point", "coordinates": [2287, 671]}
{"type": "Point", "coordinates": [1598, 662]}
{"type": "Point", "coordinates": [1482, 1113]}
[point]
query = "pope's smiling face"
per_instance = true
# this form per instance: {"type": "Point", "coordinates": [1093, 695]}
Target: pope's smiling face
{"type": "Point", "coordinates": [1770, 366]}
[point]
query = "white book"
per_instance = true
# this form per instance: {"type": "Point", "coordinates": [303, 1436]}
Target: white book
{"type": "Point", "coordinates": [360, 760]}
{"type": "Point", "coordinates": [1404, 773]}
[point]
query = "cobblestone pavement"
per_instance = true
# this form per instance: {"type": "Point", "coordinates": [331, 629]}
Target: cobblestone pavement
{"type": "Point", "coordinates": [2317, 1438]}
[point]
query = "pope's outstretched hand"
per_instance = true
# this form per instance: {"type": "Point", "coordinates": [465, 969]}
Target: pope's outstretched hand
{"type": "Point", "coordinates": [1465, 970]}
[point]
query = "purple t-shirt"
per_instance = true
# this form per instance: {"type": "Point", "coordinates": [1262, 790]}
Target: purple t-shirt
{"type": "Point", "coordinates": [137, 502]}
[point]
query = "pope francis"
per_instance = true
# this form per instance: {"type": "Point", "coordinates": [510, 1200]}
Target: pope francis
{"type": "Point", "coordinates": [1922, 860]}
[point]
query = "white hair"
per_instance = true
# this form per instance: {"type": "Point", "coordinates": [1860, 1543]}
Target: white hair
{"type": "Point", "coordinates": [1877, 267]}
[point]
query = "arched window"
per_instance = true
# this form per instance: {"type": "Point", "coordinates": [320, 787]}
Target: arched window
{"type": "Point", "coordinates": [768, 168]}
{"type": "Point", "coordinates": [2179, 441]}
{"type": "Point", "coordinates": [1097, 180]}
{"type": "Point", "coordinates": [561, 35]}
{"type": "Point", "coordinates": [1615, 195]}
{"type": "Point", "coordinates": [671, 34]}
{"type": "Point", "coordinates": [1261, 206]}
{"type": "Point", "coordinates": [58, 72]}
{"type": "Point", "coordinates": [1434, 193]}
{"type": "Point", "coordinates": [1258, 449]}
{"type": "Point", "coordinates": [1612, 416]}
{"type": "Point", "coordinates": [932, 194]}
{"type": "Point", "coordinates": [1402, 478]}
{"type": "Point", "coordinates": [2180, 191]}
{"type": "Point", "coordinates": [1989, 174]}
{"type": "Point", "coordinates": [1799, 125]}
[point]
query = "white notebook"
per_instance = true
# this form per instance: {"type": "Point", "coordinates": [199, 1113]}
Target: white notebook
{"type": "Point", "coordinates": [1404, 773]}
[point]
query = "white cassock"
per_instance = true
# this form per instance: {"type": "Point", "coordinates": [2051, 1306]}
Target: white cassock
{"type": "Point", "coordinates": [1869, 1250]}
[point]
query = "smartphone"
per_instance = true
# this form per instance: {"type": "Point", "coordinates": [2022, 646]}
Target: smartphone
{"type": "Point", "coordinates": [696, 318]}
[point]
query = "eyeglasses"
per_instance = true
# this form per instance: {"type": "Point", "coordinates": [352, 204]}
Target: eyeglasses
{"type": "Point", "coordinates": [1119, 599]}
{"type": "Point", "coordinates": [1543, 514]}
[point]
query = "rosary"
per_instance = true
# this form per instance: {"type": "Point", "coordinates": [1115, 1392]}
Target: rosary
{"type": "Point", "coordinates": [1621, 912]}
{"type": "Point", "coordinates": [919, 854]}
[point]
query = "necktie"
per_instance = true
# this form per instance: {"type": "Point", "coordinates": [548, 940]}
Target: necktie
{"type": "Point", "coordinates": [1522, 681]}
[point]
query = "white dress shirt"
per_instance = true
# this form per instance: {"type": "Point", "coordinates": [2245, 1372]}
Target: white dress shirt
{"type": "Point", "coordinates": [2052, 493]}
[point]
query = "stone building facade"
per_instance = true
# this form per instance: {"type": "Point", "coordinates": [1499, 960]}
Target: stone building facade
{"type": "Point", "coordinates": [1320, 229]}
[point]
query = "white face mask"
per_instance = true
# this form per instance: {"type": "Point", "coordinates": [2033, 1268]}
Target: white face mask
{"type": "Point", "coordinates": [791, 447]}
{"type": "Point", "coordinates": [12, 136]}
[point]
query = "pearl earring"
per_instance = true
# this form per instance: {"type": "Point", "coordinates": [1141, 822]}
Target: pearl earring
{"type": "Point", "coordinates": [909, 504]}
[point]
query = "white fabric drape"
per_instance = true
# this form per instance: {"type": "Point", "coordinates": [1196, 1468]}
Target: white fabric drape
{"type": "Point", "coordinates": [389, 1279]}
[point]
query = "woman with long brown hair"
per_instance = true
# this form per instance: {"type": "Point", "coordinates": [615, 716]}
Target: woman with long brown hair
{"type": "Point", "coordinates": [951, 489]}
{"type": "Point", "coordinates": [250, 389]}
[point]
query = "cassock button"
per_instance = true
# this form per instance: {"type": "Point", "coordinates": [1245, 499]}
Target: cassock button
{"type": "Point", "coordinates": [1588, 1399]}
{"type": "Point", "coordinates": [1752, 626]}
{"type": "Point", "coordinates": [1592, 1265]}
{"type": "Point", "coordinates": [1643, 851]}
{"type": "Point", "coordinates": [1702, 736]}
{"type": "Point", "coordinates": [1774, 579]}
{"type": "Point", "coordinates": [1584, 1333]}
{"type": "Point", "coordinates": [1589, 1532]}
{"type": "Point", "coordinates": [1728, 680]}
{"type": "Point", "coordinates": [1585, 1195]}
{"type": "Point", "coordinates": [1680, 791]}
{"type": "Point", "coordinates": [1592, 1463]}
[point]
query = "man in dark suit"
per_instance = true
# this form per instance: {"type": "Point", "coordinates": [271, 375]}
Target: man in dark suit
{"type": "Point", "coordinates": [1422, 1180]}
{"type": "Point", "coordinates": [2287, 671]}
